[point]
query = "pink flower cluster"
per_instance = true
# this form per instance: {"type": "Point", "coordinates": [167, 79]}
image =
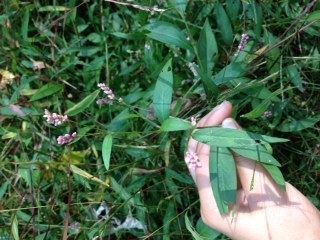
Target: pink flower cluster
{"type": "Point", "coordinates": [192, 160]}
{"type": "Point", "coordinates": [67, 138]}
{"type": "Point", "coordinates": [243, 43]}
{"type": "Point", "coordinates": [54, 118]}
{"type": "Point", "coordinates": [110, 95]}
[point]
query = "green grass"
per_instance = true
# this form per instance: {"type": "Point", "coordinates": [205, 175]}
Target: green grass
{"type": "Point", "coordinates": [81, 43]}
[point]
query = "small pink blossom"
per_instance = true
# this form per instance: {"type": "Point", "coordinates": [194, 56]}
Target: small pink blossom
{"type": "Point", "coordinates": [192, 160]}
{"type": "Point", "coordinates": [193, 121]}
{"type": "Point", "coordinates": [243, 43]}
{"type": "Point", "coordinates": [54, 118]}
{"type": "Point", "coordinates": [110, 95]}
{"type": "Point", "coordinates": [67, 138]}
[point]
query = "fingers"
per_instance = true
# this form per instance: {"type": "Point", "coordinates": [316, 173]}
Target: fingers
{"type": "Point", "coordinates": [255, 181]}
{"type": "Point", "coordinates": [217, 115]}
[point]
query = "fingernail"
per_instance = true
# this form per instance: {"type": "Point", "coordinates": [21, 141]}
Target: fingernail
{"type": "Point", "coordinates": [221, 105]}
{"type": "Point", "coordinates": [229, 123]}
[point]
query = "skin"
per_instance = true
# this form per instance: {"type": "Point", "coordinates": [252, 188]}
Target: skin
{"type": "Point", "coordinates": [264, 212]}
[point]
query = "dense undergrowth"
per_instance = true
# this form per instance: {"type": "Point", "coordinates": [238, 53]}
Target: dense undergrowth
{"type": "Point", "coordinates": [53, 55]}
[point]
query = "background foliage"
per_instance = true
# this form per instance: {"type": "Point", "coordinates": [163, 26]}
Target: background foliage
{"type": "Point", "coordinates": [57, 52]}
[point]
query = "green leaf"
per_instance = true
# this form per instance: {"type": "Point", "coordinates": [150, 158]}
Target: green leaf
{"type": "Point", "coordinates": [206, 232]}
{"type": "Point", "coordinates": [255, 10]}
{"type": "Point", "coordinates": [46, 90]}
{"type": "Point", "coordinates": [84, 104]}
{"type": "Point", "coordinates": [224, 24]}
{"type": "Point", "coordinates": [233, 8]}
{"type": "Point", "coordinates": [223, 177]}
{"type": "Point", "coordinates": [15, 228]}
{"type": "Point", "coordinates": [175, 124]}
{"type": "Point", "coordinates": [231, 72]}
{"type": "Point", "coordinates": [276, 175]}
{"type": "Point", "coordinates": [207, 48]}
{"type": "Point", "coordinates": [180, 5]}
{"type": "Point", "coordinates": [162, 95]}
{"type": "Point", "coordinates": [295, 77]}
{"type": "Point", "coordinates": [168, 33]}
{"type": "Point", "coordinates": [298, 125]}
{"type": "Point", "coordinates": [3, 188]}
{"type": "Point", "coordinates": [257, 153]}
{"type": "Point", "coordinates": [106, 150]}
{"type": "Point", "coordinates": [258, 110]}
{"type": "Point", "coordinates": [191, 229]}
{"type": "Point", "coordinates": [228, 137]}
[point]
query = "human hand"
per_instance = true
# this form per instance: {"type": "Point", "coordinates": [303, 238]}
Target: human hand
{"type": "Point", "coordinates": [262, 212]}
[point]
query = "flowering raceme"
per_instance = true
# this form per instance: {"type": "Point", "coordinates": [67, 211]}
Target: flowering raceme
{"type": "Point", "coordinates": [192, 160]}
{"type": "Point", "coordinates": [110, 95]}
{"type": "Point", "coordinates": [54, 118]}
{"type": "Point", "coordinates": [67, 138]}
{"type": "Point", "coordinates": [243, 43]}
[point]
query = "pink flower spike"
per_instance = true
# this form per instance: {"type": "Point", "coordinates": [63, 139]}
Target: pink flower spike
{"type": "Point", "coordinates": [67, 138]}
{"type": "Point", "coordinates": [192, 160]}
{"type": "Point", "coordinates": [54, 118]}
{"type": "Point", "coordinates": [243, 43]}
{"type": "Point", "coordinates": [110, 95]}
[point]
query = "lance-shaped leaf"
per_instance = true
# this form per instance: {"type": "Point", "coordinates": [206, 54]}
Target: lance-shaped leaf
{"type": "Point", "coordinates": [257, 153]}
{"type": "Point", "coordinates": [175, 124]}
{"type": "Point", "coordinates": [227, 137]}
{"type": "Point", "coordinates": [84, 104]}
{"type": "Point", "coordinates": [168, 33]}
{"type": "Point", "coordinates": [224, 24]}
{"type": "Point", "coordinates": [276, 175]}
{"type": "Point", "coordinates": [223, 177]}
{"type": "Point", "coordinates": [106, 150]}
{"type": "Point", "coordinates": [46, 90]}
{"type": "Point", "coordinates": [206, 232]}
{"type": "Point", "coordinates": [162, 95]}
{"type": "Point", "coordinates": [207, 48]}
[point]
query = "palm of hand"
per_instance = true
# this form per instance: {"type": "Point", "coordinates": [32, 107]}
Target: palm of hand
{"type": "Point", "coordinates": [262, 212]}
